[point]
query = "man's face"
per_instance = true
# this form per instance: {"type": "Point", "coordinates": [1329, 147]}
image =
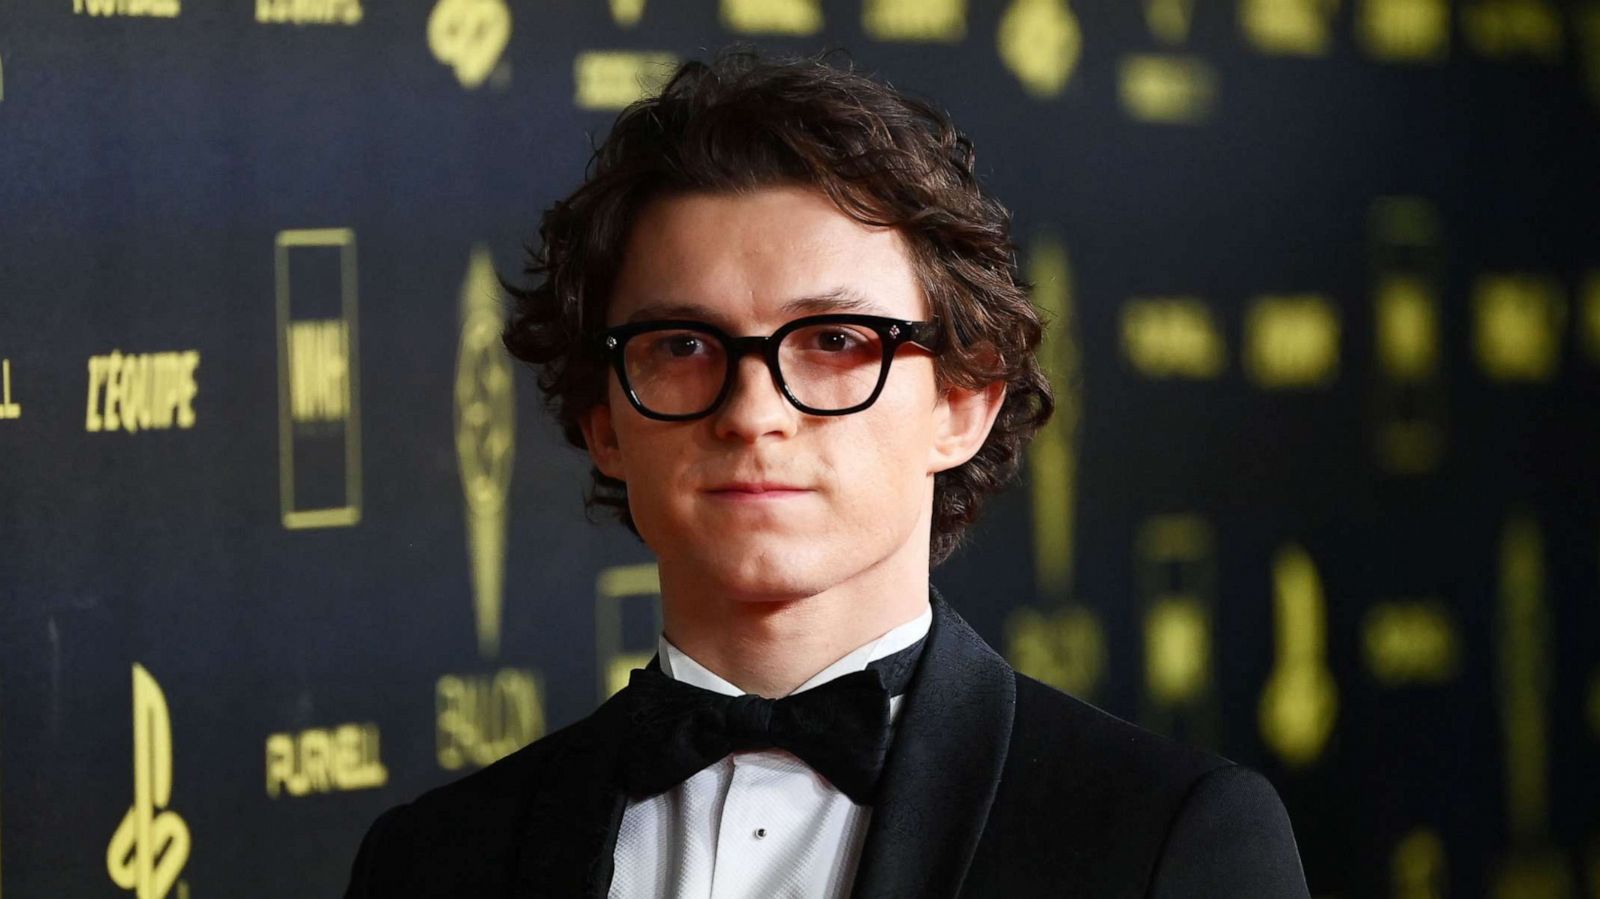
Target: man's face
{"type": "Point", "coordinates": [862, 483]}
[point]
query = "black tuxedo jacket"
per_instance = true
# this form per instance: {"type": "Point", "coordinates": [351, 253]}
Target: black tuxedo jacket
{"type": "Point", "coordinates": [995, 785]}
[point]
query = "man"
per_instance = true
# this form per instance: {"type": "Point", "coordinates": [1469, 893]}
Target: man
{"type": "Point", "coordinates": [785, 322]}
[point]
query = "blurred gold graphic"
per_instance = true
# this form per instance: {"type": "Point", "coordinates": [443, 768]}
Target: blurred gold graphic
{"type": "Point", "coordinates": [1404, 31]}
{"type": "Point", "coordinates": [1517, 323]}
{"type": "Point", "coordinates": [1065, 648]}
{"type": "Point", "coordinates": [1291, 341]}
{"type": "Point", "coordinates": [613, 586]}
{"type": "Point", "coordinates": [1408, 430]}
{"type": "Point", "coordinates": [1410, 642]}
{"type": "Point", "coordinates": [1040, 43]}
{"type": "Point", "coordinates": [1172, 337]}
{"type": "Point", "coordinates": [1300, 702]}
{"type": "Point", "coordinates": [611, 79]}
{"type": "Point", "coordinates": [1175, 568]}
{"type": "Point", "coordinates": [793, 17]}
{"type": "Point", "coordinates": [1418, 869]}
{"type": "Point", "coordinates": [482, 718]}
{"type": "Point", "coordinates": [1288, 27]}
{"type": "Point", "coordinates": [486, 413]}
{"type": "Point", "coordinates": [943, 21]}
{"type": "Point", "coordinates": [469, 36]}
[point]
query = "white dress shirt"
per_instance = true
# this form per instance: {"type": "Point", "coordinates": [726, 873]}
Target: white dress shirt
{"type": "Point", "coordinates": [757, 823]}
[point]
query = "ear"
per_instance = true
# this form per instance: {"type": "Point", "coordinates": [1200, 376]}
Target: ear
{"type": "Point", "coordinates": [601, 439]}
{"type": "Point", "coordinates": [962, 420]}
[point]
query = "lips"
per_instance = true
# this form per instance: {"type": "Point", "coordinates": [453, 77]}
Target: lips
{"type": "Point", "coordinates": [756, 487]}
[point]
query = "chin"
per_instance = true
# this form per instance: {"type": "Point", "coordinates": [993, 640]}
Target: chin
{"type": "Point", "coordinates": [771, 568]}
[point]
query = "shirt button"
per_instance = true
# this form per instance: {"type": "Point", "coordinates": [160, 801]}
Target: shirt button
{"type": "Point", "coordinates": [761, 833]}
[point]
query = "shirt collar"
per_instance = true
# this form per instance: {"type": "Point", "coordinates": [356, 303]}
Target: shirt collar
{"type": "Point", "coordinates": [677, 664]}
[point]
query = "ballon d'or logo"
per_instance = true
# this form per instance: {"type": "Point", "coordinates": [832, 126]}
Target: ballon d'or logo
{"type": "Point", "coordinates": [151, 844]}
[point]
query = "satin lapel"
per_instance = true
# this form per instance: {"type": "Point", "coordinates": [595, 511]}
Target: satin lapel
{"type": "Point", "coordinates": [571, 830]}
{"type": "Point", "coordinates": [943, 768]}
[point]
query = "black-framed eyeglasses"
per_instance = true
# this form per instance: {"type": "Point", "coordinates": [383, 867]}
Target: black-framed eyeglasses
{"type": "Point", "coordinates": [834, 364]}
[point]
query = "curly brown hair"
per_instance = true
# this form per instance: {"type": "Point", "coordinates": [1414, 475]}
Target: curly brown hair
{"type": "Point", "coordinates": [742, 122]}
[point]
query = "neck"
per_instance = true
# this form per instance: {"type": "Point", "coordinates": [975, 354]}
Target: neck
{"type": "Point", "coordinates": [769, 643]}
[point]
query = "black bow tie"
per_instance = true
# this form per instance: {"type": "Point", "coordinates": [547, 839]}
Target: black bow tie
{"type": "Point", "coordinates": [840, 728]}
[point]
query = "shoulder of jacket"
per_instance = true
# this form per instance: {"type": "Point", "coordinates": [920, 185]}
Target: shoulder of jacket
{"type": "Point", "coordinates": [1091, 737]}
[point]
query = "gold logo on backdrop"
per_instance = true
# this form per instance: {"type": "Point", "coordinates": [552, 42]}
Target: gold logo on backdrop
{"type": "Point", "coordinates": [1292, 341]}
{"type": "Point", "coordinates": [319, 421]}
{"type": "Point", "coordinates": [1410, 642]}
{"type": "Point", "coordinates": [1167, 88]}
{"type": "Point", "coordinates": [1172, 337]}
{"type": "Point", "coordinates": [1052, 456]}
{"type": "Point", "coordinates": [611, 79]}
{"type": "Point", "coordinates": [319, 370]}
{"type": "Point", "coordinates": [1404, 30]}
{"type": "Point", "coordinates": [154, 8]}
{"type": "Point", "coordinates": [324, 760]}
{"type": "Point", "coordinates": [1169, 20]}
{"type": "Point", "coordinates": [1417, 869]}
{"type": "Point", "coordinates": [1040, 43]}
{"type": "Point", "coordinates": [772, 16]}
{"type": "Point", "coordinates": [1408, 329]}
{"type": "Point", "coordinates": [1300, 702]}
{"type": "Point", "coordinates": [469, 36]}
{"type": "Point", "coordinates": [1063, 646]}
{"type": "Point", "coordinates": [483, 718]}
{"type": "Point", "coordinates": [611, 587]}
{"type": "Point", "coordinates": [627, 12]}
{"type": "Point", "coordinates": [1175, 567]}
{"type": "Point", "coordinates": [136, 392]}
{"type": "Point", "coordinates": [1408, 434]}
{"type": "Point", "coordinates": [8, 407]}
{"type": "Point", "coordinates": [1517, 324]}
{"type": "Point", "coordinates": [1534, 868]}
{"type": "Point", "coordinates": [151, 845]}
{"type": "Point", "coordinates": [1288, 27]}
{"type": "Point", "coordinates": [308, 12]}
{"type": "Point", "coordinates": [1523, 632]}
{"type": "Point", "coordinates": [915, 20]}
{"type": "Point", "coordinates": [1503, 29]}
{"type": "Point", "coordinates": [485, 440]}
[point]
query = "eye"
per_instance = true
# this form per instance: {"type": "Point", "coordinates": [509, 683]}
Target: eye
{"type": "Point", "coordinates": [679, 345]}
{"type": "Point", "coordinates": [836, 340]}
{"type": "Point", "coordinates": [683, 345]}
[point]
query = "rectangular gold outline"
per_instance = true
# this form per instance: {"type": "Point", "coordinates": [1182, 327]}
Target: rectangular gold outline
{"type": "Point", "coordinates": [350, 513]}
{"type": "Point", "coordinates": [610, 585]}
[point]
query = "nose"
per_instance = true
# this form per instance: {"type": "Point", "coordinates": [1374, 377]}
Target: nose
{"type": "Point", "coordinates": [754, 408]}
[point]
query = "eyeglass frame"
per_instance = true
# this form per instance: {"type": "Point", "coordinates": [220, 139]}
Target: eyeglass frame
{"type": "Point", "coordinates": [893, 332]}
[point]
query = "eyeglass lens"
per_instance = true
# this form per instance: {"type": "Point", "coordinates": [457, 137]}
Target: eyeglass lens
{"type": "Point", "coordinates": [828, 367]}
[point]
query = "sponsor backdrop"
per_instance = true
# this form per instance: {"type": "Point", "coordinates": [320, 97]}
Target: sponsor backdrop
{"type": "Point", "coordinates": [287, 539]}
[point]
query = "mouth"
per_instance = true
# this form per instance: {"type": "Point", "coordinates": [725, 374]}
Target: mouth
{"type": "Point", "coordinates": [756, 490]}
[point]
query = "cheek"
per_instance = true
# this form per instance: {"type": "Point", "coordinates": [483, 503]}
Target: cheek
{"type": "Point", "coordinates": [888, 457]}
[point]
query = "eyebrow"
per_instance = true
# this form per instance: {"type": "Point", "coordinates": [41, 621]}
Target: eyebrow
{"type": "Point", "coordinates": [839, 299]}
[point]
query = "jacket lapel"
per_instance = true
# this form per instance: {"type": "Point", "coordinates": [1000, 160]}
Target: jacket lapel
{"type": "Point", "coordinates": [943, 767]}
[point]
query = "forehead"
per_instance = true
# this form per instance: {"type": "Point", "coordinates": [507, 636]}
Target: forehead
{"type": "Point", "coordinates": [759, 258]}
